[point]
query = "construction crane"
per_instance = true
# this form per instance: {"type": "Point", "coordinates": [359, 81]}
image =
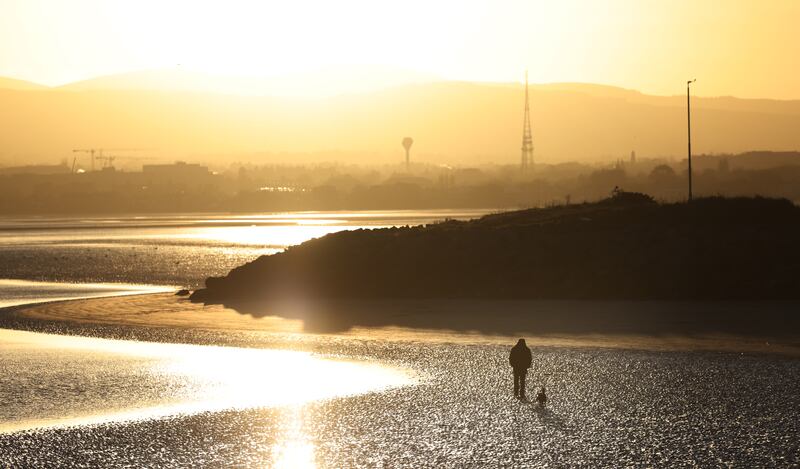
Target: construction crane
{"type": "Point", "coordinates": [90, 151]}
{"type": "Point", "coordinates": [97, 154]}
{"type": "Point", "coordinates": [108, 161]}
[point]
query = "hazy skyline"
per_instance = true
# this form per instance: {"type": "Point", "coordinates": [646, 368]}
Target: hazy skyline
{"type": "Point", "coordinates": [453, 123]}
{"type": "Point", "coordinates": [743, 48]}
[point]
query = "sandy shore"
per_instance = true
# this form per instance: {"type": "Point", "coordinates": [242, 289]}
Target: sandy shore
{"type": "Point", "coordinates": [167, 317]}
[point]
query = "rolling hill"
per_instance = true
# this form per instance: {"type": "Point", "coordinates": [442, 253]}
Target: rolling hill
{"type": "Point", "coordinates": [14, 84]}
{"type": "Point", "coordinates": [451, 122]}
{"type": "Point", "coordinates": [623, 248]}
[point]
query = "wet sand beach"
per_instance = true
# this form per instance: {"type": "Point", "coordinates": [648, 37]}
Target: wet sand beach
{"type": "Point", "coordinates": [615, 400]}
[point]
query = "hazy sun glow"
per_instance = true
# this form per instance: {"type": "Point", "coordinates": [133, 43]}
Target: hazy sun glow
{"type": "Point", "coordinates": [739, 47]}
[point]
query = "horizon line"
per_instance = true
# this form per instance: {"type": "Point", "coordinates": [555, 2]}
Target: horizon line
{"type": "Point", "coordinates": [432, 80]}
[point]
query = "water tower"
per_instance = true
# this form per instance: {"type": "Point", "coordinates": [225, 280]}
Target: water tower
{"type": "Point", "coordinates": [407, 142]}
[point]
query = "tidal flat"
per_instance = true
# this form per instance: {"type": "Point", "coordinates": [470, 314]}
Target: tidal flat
{"type": "Point", "coordinates": [624, 398]}
{"type": "Point", "coordinates": [608, 407]}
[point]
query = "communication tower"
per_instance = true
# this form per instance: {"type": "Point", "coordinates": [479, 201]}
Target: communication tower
{"type": "Point", "coordinates": [527, 139]}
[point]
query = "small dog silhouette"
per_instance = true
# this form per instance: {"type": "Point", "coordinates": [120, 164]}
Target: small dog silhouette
{"type": "Point", "coordinates": [541, 397]}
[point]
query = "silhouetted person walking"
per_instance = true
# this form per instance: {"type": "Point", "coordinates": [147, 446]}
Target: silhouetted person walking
{"type": "Point", "coordinates": [520, 359]}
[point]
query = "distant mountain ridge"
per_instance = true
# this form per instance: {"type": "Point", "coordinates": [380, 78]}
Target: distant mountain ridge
{"type": "Point", "coordinates": [14, 84]}
{"type": "Point", "coordinates": [329, 81]}
{"type": "Point", "coordinates": [451, 122]}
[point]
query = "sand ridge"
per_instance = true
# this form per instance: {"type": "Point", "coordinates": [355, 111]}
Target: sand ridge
{"type": "Point", "coordinates": [422, 321]}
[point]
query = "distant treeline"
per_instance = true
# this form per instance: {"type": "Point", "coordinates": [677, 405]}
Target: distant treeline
{"type": "Point", "coordinates": [335, 187]}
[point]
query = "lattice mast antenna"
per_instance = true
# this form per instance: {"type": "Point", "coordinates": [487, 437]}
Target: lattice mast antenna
{"type": "Point", "coordinates": [527, 138]}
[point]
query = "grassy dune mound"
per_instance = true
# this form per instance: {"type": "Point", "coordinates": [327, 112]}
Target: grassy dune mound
{"type": "Point", "coordinates": [625, 247]}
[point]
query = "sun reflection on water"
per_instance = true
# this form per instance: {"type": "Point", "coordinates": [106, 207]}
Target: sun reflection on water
{"type": "Point", "coordinates": [226, 377]}
{"type": "Point", "coordinates": [170, 379]}
{"type": "Point", "coordinates": [294, 450]}
{"type": "Point", "coordinates": [277, 235]}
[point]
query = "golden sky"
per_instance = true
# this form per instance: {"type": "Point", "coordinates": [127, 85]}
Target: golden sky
{"type": "Point", "coordinates": [746, 48]}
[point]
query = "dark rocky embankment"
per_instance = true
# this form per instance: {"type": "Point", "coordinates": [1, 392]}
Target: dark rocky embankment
{"type": "Point", "coordinates": [626, 247]}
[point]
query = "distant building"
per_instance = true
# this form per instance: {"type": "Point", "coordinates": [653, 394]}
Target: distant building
{"type": "Point", "coordinates": [179, 174]}
{"type": "Point", "coordinates": [633, 157]}
{"type": "Point", "coordinates": [179, 169]}
{"type": "Point", "coordinates": [469, 176]}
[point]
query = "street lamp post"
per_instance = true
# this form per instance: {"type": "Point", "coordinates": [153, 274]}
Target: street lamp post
{"type": "Point", "coordinates": [689, 133]}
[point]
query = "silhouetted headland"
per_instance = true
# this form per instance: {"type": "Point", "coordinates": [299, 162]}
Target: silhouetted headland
{"type": "Point", "coordinates": [625, 247]}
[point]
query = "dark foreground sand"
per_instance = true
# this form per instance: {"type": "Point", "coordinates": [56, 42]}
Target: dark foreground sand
{"type": "Point", "coordinates": [614, 403]}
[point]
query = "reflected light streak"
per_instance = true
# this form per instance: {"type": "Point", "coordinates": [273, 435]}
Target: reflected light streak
{"type": "Point", "coordinates": [295, 450]}
{"type": "Point", "coordinates": [289, 235]}
{"type": "Point", "coordinates": [188, 378]}
{"type": "Point", "coordinates": [227, 377]}
{"type": "Point", "coordinates": [17, 292]}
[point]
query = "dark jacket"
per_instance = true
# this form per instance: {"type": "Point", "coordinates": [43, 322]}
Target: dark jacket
{"type": "Point", "coordinates": [520, 357]}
